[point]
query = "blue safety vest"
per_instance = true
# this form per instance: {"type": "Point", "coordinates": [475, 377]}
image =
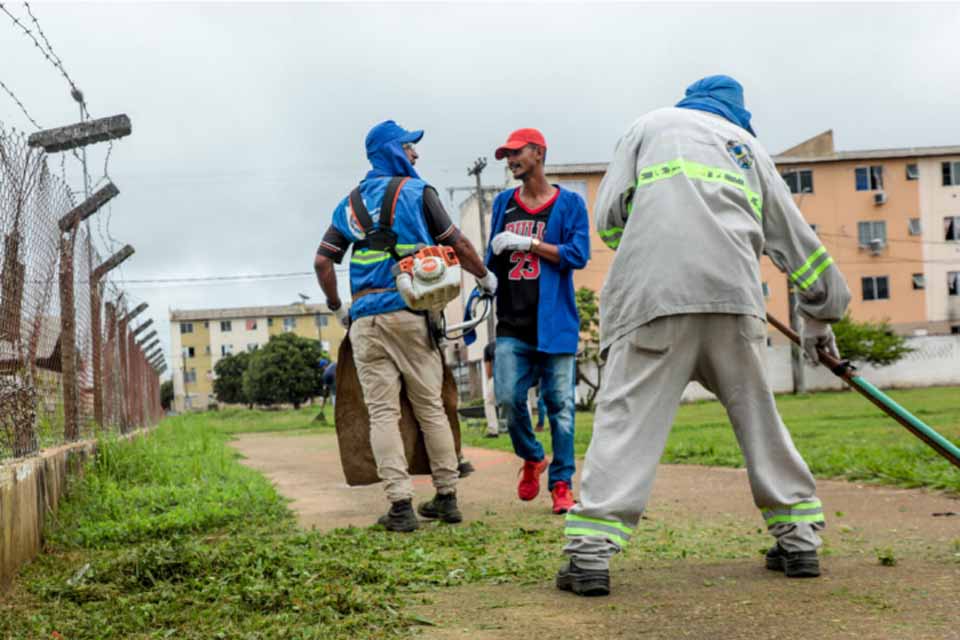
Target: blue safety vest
{"type": "Point", "coordinates": [371, 269]}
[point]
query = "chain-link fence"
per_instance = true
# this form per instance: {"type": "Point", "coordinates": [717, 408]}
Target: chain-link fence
{"type": "Point", "coordinates": [57, 324]}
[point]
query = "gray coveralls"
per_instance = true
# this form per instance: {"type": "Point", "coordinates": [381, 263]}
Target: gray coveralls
{"type": "Point", "coordinates": [689, 203]}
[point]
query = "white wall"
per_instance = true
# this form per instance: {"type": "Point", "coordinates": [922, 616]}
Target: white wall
{"type": "Point", "coordinates": [937, 202]}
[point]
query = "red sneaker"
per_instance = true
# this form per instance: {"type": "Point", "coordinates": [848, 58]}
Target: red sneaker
{"type": "Point", "coordinates": [562, 498]}
{"type": "Point", "coordinates": [529, 485]}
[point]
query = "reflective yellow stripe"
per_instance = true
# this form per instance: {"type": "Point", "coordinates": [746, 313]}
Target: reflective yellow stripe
{"type": "Point", "coordinates": [816, 274]}
{"type": "Point", "coordinates": [809, 280]}
{"type": "Point", "coordinates": [607, 523]}
{"type": "Point", "coordinates": [780, 519]}
{"type": "Point", "coordinates": [697, 171]}
{"type": "Point", "coordinates": [611, 231]}
{"type": "Point", "coordinates": [806, 265]}
{"type": "Point", "coordinates": [367, 256]}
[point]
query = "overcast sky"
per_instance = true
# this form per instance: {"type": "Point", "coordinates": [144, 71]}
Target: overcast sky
{"type": "Point", "coordinates": [249, 119]}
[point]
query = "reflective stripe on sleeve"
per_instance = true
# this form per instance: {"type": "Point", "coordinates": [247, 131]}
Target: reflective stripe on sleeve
{"type": "Point", "coordinates": [806, 275]}
{"type": "Point", "coordinates": [611, 237]}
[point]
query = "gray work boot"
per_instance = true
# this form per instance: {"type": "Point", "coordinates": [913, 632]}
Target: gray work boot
{"type": "Point", "coordinates": [795, 564]}
{"type": "Point", "coordinates": [442, 507]}
{"type": "Point", "coordinates": [583, 582]}
{"type": "Point", "coordinates": [400, 517]}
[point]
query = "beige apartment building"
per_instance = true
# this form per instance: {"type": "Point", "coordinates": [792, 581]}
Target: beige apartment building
{"type": "Point", "coordinates": [200, 337]}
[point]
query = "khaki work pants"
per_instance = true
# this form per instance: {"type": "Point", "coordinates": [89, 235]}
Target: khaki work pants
{"type": "Point", "coordinates": [389, 348]}
{"type": "Point", "coordinates": [646, 373]}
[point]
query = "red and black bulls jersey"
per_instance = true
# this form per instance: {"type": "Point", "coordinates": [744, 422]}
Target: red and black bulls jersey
{"type": "Point", "coordinates": [518, 272]}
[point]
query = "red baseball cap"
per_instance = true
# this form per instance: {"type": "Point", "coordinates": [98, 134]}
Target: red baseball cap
{"type": "Point", "coordinates": [519, 139]}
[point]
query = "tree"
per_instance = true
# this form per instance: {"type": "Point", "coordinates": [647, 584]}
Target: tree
{"type": "Point", "coordinates": [871, 342]}
{"type": "Point", "coordinates": [284, 371]}
{"type": "Point", "coordinates": [228, 385]}
{"type": "Point", "coordinates": [166, 395]}
{"type": "Point", "coordinates": [589, 309]}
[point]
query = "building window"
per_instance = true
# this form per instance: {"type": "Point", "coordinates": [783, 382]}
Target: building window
{"type": "Point", "coordinates": [869, 178]}
{"type": "Point", "coordinates": [322, 320]}
{"type": "Point", "coordinates": [871, 233]}
{"type": "Point", "coordinates": [226, 325]}
{"type": "Point", "coordinates": [876, 288]}
{"type": "Point", "coordinates": [269, 322]}
{"type": "Point", "coordinates": [251, 347]}
{"type": "Point", "coordinates": [914, 227]}
{"type": "Point", "coordinates": [206, 324]}
{"type": "Point", "coordinates": [951, 228]}
{"type": "Point", "coordinates": [188, 352]}
{"type": "Point", "coordinates": [799, 181]}
{"type": "Point", "coordinates": [953, 283]}
{"type": "Point", "coordinates": [919, 282]}
{"type": "Point", "coordinates": [955, 329]}
{"type": "Point", "coordinates": [251, 325]}
{"type": "Point", "coordinates": [206, 350]}
{"type": "Point", "coordinates": [226, 349]}
{"type": "Point", "coordinates": [186, 327]}
{"type": "Point", "coordinates": [766, 290]}
{"type": "Point", "coordinates": [189, 376]}
{"type": "Point", "coordinates": [913, 172]}
{"type": "Point", "coordinates": [951, 173]}
{"type": "Point", "coordinates": [289, 324]}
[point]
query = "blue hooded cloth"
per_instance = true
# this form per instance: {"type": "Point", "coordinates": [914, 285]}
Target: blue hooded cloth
{"type": "Point", "coordinates": [721, 95]}
{"type": "Point", "coordinates": [385, 151]}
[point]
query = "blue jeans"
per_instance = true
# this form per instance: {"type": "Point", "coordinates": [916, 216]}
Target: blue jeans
{"type": "Point", "coordinates": [517, 367]}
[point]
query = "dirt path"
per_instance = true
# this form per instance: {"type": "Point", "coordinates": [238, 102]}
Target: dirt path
{"type": "Point", "coordinates": [856, 596]}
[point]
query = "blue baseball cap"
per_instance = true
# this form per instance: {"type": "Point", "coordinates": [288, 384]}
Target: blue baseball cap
{"type": "Point", "coordinates": [390, 131]}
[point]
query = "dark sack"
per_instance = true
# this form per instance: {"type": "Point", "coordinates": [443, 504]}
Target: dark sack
{"type": "Point", "coordinates": [353, 424]}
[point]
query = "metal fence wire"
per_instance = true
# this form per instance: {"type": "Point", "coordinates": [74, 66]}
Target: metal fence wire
{"type": "Point", "coordinates": [38, 265]}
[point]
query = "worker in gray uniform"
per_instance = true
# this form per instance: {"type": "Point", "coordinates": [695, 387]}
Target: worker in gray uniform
{"type": "Point", "coordinates": [689, 203]}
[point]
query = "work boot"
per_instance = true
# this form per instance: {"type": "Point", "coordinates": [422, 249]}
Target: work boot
{"type": "Point", "coordinates": [795, 564]}
{"type": "Point", "coordinates": [400, 517]}
{"type": "Point", "coordinates": [442, 507]}
{"type": "Point", "coordinates": [530, 473]}
{"type": "Point", "coordinates": [583, 582]}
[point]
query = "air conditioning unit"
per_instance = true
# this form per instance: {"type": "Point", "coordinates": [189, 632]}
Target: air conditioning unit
{"type": "Point", "coordinates": [879, 197]}
{"type": "Point", "coordinates": [876, 246]}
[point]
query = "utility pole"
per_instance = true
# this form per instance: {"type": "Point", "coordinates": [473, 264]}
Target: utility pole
{"type": "Point", "coordinates": [475, 171]}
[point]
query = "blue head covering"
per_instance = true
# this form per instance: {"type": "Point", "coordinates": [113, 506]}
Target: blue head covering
{"type": "Point", "coordinates": [721, 95]}
{"type": "Point", "coordinates": [385, 150]}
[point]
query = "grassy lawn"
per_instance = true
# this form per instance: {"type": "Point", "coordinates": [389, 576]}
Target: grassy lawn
{"type": "Point", "coordinates": [841, 435]}
{"type": "Point", "coordinates": [168, 536]}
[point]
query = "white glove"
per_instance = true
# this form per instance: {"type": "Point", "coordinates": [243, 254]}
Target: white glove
{"type": "Point", "coordinates": [510, 241]}
{"type": "Point", "coordinates": [815, 335]}
{"type": "Point", "coordinates": [488, 283]}
{"type": "Point", "coordinates": [343, 315]}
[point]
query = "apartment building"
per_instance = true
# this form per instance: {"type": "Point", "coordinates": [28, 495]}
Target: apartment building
{"type": "Point", "coordinates": [200, 337]}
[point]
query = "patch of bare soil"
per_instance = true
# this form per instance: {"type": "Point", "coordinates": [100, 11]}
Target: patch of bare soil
{"type": "Point", "coordinates": [857, 596]}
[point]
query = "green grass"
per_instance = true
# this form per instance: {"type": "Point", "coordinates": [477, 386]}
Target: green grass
{"type": "Point", "coordinates": [168, 536]}
{"type": "Point", "coordinates": [841, 435]}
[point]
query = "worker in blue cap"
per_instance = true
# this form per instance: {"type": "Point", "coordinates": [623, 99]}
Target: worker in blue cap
{"type": "Point", "coordinates": [689, 203]}
{"type": "Point", "coordinates": [393, 210]}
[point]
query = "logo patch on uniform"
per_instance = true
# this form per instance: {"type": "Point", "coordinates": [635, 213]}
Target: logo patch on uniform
{"type": "Point", "coordinates": [740, 153]}
{"type": "Point", "coordinates": [354, 223]}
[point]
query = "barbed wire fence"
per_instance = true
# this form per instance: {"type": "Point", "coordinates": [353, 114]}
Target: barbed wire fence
{"type": "Point", "coordinates": [70, 366]}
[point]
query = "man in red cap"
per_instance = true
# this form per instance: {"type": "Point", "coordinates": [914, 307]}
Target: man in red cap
{"type": "Point", "coordinates": [540, 235]}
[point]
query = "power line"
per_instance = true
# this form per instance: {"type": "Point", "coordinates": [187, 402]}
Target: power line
{"type": "Point", "coordinates": [253, 277]}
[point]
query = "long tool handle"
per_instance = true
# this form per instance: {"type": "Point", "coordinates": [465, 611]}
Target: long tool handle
{"type": "Point", "coordinates": [887, 404]}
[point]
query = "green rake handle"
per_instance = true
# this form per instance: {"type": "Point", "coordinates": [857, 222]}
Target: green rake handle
{"type": "Point", "coordinates": [888, 405]}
